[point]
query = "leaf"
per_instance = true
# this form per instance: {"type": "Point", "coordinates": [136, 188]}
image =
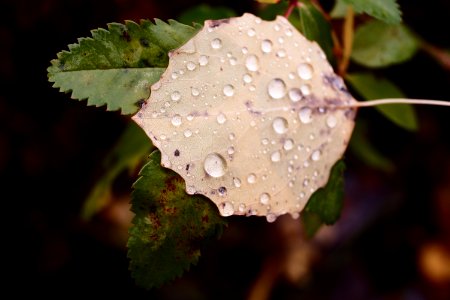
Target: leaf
{"type": "Point", "coordinates": [371, 87]}
{"type": "Point", "coordinates": [247, 116]}
{"type": "Point", "coordinates": [169, 227]}
{"type": "Point", "coordinates": [385, 10]}
{"type": "Point", "coordinates": [130, 150]}
{"type": "Point", "coordinates": [377, 44]}
{"type": "Point", "coordinates": [268, 1]}
{"type": "Point", "coordinates": [202, 12]}
{"type": "Point", "coordinates": [325, 205]}
{"type": "Point", "coordinates": [316, 28]}
{"type": "Point", "coordinates": [270, 12]}
{"type": "Point", "coordinates": [339, 10]}
{"type": "Point", "coordinates": [116, 67]}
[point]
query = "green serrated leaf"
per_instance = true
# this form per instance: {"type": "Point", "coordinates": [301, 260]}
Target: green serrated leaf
{"type": "Point", "coordinates": [169, 227]}
{"type": "Point", "coordinates": [387, 11]}
{"type": "Point", "coordinates": [202, 12]}
{"type": "Point", "coordinates": [371, 87]}
{"type": "Point", "coordinates": [378, 44]}
{"type": "Point", "coordinates": [325, 205]}
{"type": "Point", "coordinates": [315, 28]}
{"type": "Point", "coordinates": [116, 67]}
{"type": "Point", "coordinates": [130, 150]}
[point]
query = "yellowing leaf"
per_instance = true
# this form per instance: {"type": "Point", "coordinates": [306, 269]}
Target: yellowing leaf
{"type": "Point", "coordinates": [245, 113]}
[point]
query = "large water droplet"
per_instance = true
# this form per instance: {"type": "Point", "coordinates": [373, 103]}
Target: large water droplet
{"type": "Point", "coordinates": [228, 90]}
{"type": "Point", "coordinates": [305, 71]}
{"type": "Point", "coordinates": [288, 144]}
{"type": "Point", "coordinates": [331, 121]}
{"type": "Point", "coordinates": [216, 43]}
{"type": "Point", "coordinates": [251, 178]}
{"type": "Point", "coordinates": [266, 46]}
{"type": "Point", "coordinates": [264, 198]}
{"type": "Point", "coordinates": [305, 115]}
{"type": "Point", "coordinates": [276, 156]}
{"type": "Point", "coordinates": [237, 182]}
{"type": "Point", "coordinates": [176, 120]}
{"type": "Point", "coordinates": [203, 60]}
{"type": "Point", "coordinates": [315, 156]}
{"type": "Point", "coordinates": [276, 88]}
{"type": "Point", "coordinates": [295, 94]}
{"type": "Point", "coordinates": [280, 125]}
{"type": "Point", "coordinates": [252, 63]}
{"type": "Point", "coordinates": [215, 165]}
{"type": "Point", "coordinates": [226, 209]}
{"type": "Point", "coordinates": [175, 96]}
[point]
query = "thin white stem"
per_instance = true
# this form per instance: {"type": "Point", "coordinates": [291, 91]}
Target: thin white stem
{"type": "Point", "coordinates": [399, 101]}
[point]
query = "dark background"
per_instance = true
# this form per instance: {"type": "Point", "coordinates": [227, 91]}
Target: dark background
{"type": "Point", "coordinates": [391, 242]}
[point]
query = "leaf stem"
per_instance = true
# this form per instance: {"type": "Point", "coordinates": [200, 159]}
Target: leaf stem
{"type": "Point", "coordinates": [292, 5]}
{"type": "Point", "coordinates": [399, 101]}
{"type": "Point", "coordinates": [347, 39]}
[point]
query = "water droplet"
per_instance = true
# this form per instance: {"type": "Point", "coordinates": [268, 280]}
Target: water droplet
{"type": "Point", "coordinates": [276, 156]}
{"type": "Point", "coordinates": [190, 117]}
{"type": "Point", "coordinates": [288, 144]}
{"type": "Point", "coordinates": [221, 118]}
{"type": "Point", "coordinates": [281, 40]}
{"type": "Point", "coordinates": [187, 133]}
{"type": "Point", "coordinates": [271, 217]}
{"type": "Point", "coordinates": [241, 207]}
{"type": "Point", "coordinates": [216, 43]}
{"type": "Point", "coordinates": [244, 50]}
{"type": "Point", "coordinates": [315, 156]}
{"type": "Point", "coordinates": [276, 27]}
{"type": "Point", "coordinates": [231, 136]}
{"type": "Point", "coordinates": [331, 121]}
{"type": "Point", "coordinates": [230, 150]}
{"type": "Point", "coordinates": [264, 198]}
{"type": "Point", "coordinates": [203, 60]}
{"type": "Point", "coordinates": [280, 125]}
{"type": "Point", "coordinates": [175, 96]}
{"type": "Point", "coordinates": [251, 178]}
{"type": "Point", "coordinates": [226, 209]}
{"type": "Point", "coordinates": [222, 191]}
{"type": "Point", "coordinates": [305, 115]}
{"type": "Point", "coordinates": [265, 141]}
{"type": "Point", "coordinates": [195, 92]}
{"type": "Point", "coordinates": [288, 32]}
{"type": "Point", "coordinates": [252, 63]}
{"type": "Point", "coordinates": [281, 53]}
{"type": "Point", "coordinates": [190, 66]}
{"type": "Point", "coordinates": [232, 61]}
{"type": "Point", "coordinates": [174, 75]}
{"type": "Point", "coordinates": [266, 46]}
{"type": "Point", "coordinates": [306, 89]}
{"type": "Point", "coordinates": [215, 165]}
{"type": "Point", "coordinates": [295, 94]}
{"type": "Point", "coordinates": [190, 190]}
{"type": "Point", "coordinates": [228, 90]}
{"type": "Point", "coordinates": [236, 182]}
{"type": "Point", "coordinates": [156, 86]}
{"type": "Point", "coordinates": [251, 32]}
{"type": "Point", "coordinates": [176, 120]}
{"type": "Point", "coordinates": [305, 71]}
{"type": "Point", "coordinates": [276, 88]}
{"type": "Point", "coordinates": [306, 182]}
{"type": "Point", "coordinates": [247, 78]}
{"type": "Point", "coordinates": [162, 137]}
{"type": "Point", "coordinates": [302, 195]}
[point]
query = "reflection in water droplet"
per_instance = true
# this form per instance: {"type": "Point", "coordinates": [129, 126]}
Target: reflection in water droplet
{"type": "Point", "coordinates": [195, 92]}
{"type": "Point", "coordinates": [295, 94]}
{"type": "Point", "coordinates": [271, 217]}
{"type": "Point", "coordinates": [288, 144]}
{"type": "Point", "coordinates": [252, 63]}
{"type": "Point", "coordinates": [264, 198]}
{"type": "Point", "coordinates": [215, 165]}
{"type": "Point", "coordinates": [221, 118]}
{"type": "Point", "coordinates": [315, 156]}
{"type": "Point", "coordinates": [203, 60]}
{"type": "Point", "coordinates": [228, 90]}
{"type": "Point", "coordinates": [251, 178]}
{"type": "Point", "coordinates": [276, 156]}
{"type": "Point", "coordinates": [175, 96]}
{"type": "Point", "coordinates": [305, 71]}
{"type": "Point", "coordinates": [236, 182]}
{"type": "Point", "coordinates": [226, 209]}
{"type": "Point", "coordinates": [187, 133]}
{"type": "Point", "coordinates": [190, 66]}
{"type": "Point", "coordinates": [247, 78]}
{"type": "Point", "coordinates": [266, 46]}
{"type": "Point", "coordinates": [280, 125]}
{"type": "Point", "coordinates": [176, 120]}
{"type": "Point", "coordinates": [331, 121]}
{"type": "Point", "coordinates": [216, 43]}
{"type": "Point", "coordinates": [306, 89]}
{"type": "Point", "coordinates": [305, 115]}
{"type": "Point", "coordinates": [276, 88]}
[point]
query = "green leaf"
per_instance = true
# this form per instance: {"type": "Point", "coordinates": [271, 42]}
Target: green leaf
{"type": "Point", "coordinates": [377, 44]}
{"type": "Point", "coordinates": [325, 205]}
{"type": "Point", "coordinates": [371, 87]}
{"type": "Point", "coordinates": [270, 12]}
{"type": "Point", "coordinates": [316, 28]}
{"type": "Point", "coordinates": [385, 10]}
{"type": "Point", "coordinates": [169, 227]}
{"type": "Point", "coordinates": [202, 12]}
{"type": "Point", "coordinates": [116, 67]}
{"type": "Point", "coordinates": [339, 10]}
{"type": "Point", "coordinates": [130, 150]}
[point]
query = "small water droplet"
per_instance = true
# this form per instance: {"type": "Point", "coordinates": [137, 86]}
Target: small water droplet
{"type": "Point", "coordinates": [281, 40]}
{"type": "Point", "coordinates": [305, 71]}
{"type": "Point", "coordinates": [156, 86]}
{"type": "Point", "coordinates": [236, 182]}
{"type": "Point", "coordinates": [288, 32]}
{"type": "Point", "coordinates": [306, 182]}
{"type": "Point", "coordinates": [244, 50]}
{"type": "Point", "coordinates": [231, 136]}
{"type": "Point", "coordinates": [190, 190]}
{"type": "Point", "coordinates": [266, 46]}
{"type": "Point", "coordinates": [230, 150]}
{"type": "Point", "coordinates": [295, 94]}
{"type": "Point", "coordinates": [276, 156]}
{"type": "Point", "coordinates": [226, 209]}
{"type": "Point", "coordinates": [315, 156]}
{"type": "Point", "coordinates": [265, 141]}
{"type": "Point", "coordinates": [306, 89]}
{"type": "Point", "coordinates": [305, 115]}
{"type": "Point", "coordinates": [190, 66]}
{"type": "Point", "coordinates": [302, 195]}
{"type": "Point", "coordinates": [264, 198]}
{"type": "Point", "coordinates": [280, 125]}
{"type": "Point", "coordinates": [241, 207]}
{"type": "Point", "coordinates": [175, 96]}
{"type": "Point", "coordinates": [187, 133]}
{"type": "Point", "coordinates": [288, 144]}
{"type": "Point", "coordinates": [190, 117]}
{"type": "Point", "coordinates": [247, 78]}
{"type": "Point", "coordinates": [203, 60]}
{"type": "Point", "coordinates": [162, 137]}
{"type": "Point", "coordinates": [251, 32]}
{"type": "Point", "coordinates": [176, 120]}
{"type": "Point", "coordinates": [222, 191]}
{"type": "Point", "coordinates": [228, 90]}
{"type": "Point", "coordinates": [216, 43]}
{"type": "Point", "coordinates": [232, 61]}
{"type": "Point", "coordinates": [215, 165]}
{"type": "Point", "coordinates": [276, 27]}
{"type": "Point", "coordinates": [271, 217]}
{"type": "Point", "coordinates": [276, 88]}
{"type": "Point", "coordinates": [221, 118]}
{"type": "Point", "coordinates": [331, 121]}
{"type": "Point", "coordinates": [195, 92]}
{"type": "Point", "coordinates": [252, 63]}
{"type": "Point", "coordinates": [174, 75]}
{"type": "Point", "coordinates": [281, 53]}
{"type": "Point", "coordinates": [251, 178]}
